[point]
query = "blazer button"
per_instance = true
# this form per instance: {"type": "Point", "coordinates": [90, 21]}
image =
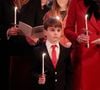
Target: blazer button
{"type": "Point", "coordinates": [55, 73]}
{"type": "Point", "coordinates": [55, 80]}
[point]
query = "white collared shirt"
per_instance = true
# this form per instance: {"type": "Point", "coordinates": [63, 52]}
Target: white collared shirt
{"type": "Point", "coordinates": [49, 48]}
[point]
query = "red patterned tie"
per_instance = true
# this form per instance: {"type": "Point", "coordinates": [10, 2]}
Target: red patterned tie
{"type": "Point", "coordinates": [54, 57]}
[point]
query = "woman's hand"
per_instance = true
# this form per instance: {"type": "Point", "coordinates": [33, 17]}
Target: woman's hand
{"type": "Point", "coordinates": [13, 31]}
{"type": "Point", "coordinates": [32, 40]}
{"type": "Point", "coordinates": [82, 38]}
{"type": "Point", "coordinates": [97, 41]}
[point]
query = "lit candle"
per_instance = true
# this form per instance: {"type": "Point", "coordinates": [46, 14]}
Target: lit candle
{"type": "Point", "coordinates": [43, 62]}
{"type": "Point", "coordinates": [57, 17]}
{"type": "Point", "coordinates": [86, 27]}
{"type": "Point", "coordinates": [15, 15]}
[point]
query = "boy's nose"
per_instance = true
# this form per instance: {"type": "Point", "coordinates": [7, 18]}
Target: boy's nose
{"type": "Point", "coordinates": [55, 32]}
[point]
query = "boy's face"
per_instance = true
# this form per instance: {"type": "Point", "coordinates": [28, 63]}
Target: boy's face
{"type": "Point", "coordinates": [53, 34]}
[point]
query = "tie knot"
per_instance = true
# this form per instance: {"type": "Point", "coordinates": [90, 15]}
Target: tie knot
{"type": "Point", "coordinates": [53, 46]}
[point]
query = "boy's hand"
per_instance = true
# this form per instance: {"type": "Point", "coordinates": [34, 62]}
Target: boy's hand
{"type": "Point", "coordinates": [42, 79]}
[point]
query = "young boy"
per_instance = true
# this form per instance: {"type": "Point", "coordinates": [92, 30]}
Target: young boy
{"type": "Point", "coordinates": [57, 63]}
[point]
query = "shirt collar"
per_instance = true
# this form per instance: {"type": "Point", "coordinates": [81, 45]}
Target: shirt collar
{"type": "Point", "coordinates": [50, 44]}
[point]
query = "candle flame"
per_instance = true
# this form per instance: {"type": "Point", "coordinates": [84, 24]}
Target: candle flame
{"type": "Point", "coordinates": [86, 15]}
{"type": "Point", "coordinates": [44, 54]}
{"type": "Point", "coordinates": [15, 7]}
{"type": "Point", "coordinates": [57, 17]}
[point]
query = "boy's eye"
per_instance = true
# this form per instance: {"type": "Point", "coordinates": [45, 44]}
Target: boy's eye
{"type": "Point", "coordinates": [52, 29]}
{"type": "Point", "coordinates": [58, 30]}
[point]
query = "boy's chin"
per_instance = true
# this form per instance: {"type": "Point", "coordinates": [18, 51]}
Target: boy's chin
{"type": "Point", "coordinates": [55, 41]}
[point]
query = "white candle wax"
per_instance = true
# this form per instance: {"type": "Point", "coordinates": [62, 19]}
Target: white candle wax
{"type": "Point", "coordinates": [86, 27]}
{"type": "Point", "coordinates": [15, 15]}
{"type": "Point", "coordinates": [43, 62]}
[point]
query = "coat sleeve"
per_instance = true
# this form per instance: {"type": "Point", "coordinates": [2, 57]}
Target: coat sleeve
{"type": "Point", "coordinates": [69, 30]}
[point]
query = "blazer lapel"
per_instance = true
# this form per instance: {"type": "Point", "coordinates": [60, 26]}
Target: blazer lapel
{"type": "Point", "coordinates": [48, 62]}
{"type": "Point", "coordinates": [60, 56]}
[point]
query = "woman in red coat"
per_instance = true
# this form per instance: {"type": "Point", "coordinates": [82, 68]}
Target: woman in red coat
{"type": "Point", "coordinates": [86, 60]}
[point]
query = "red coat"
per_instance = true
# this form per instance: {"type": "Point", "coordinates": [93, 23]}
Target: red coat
{"type": "Point", "coordinates": [86, 60]}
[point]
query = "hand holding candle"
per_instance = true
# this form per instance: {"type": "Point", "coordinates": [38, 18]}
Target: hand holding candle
{"type": "Point", "coordinates": [43, 62]}
{"type": "Point", "coordinates": [86, 27]}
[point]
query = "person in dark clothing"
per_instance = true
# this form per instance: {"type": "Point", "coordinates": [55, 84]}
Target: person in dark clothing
{"type": "Point", "coordinates": [17, 48]}
{"type": "Point", "coordinates": [58, 71]}
{"type": "Point", "coordinates": [32, 14]}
